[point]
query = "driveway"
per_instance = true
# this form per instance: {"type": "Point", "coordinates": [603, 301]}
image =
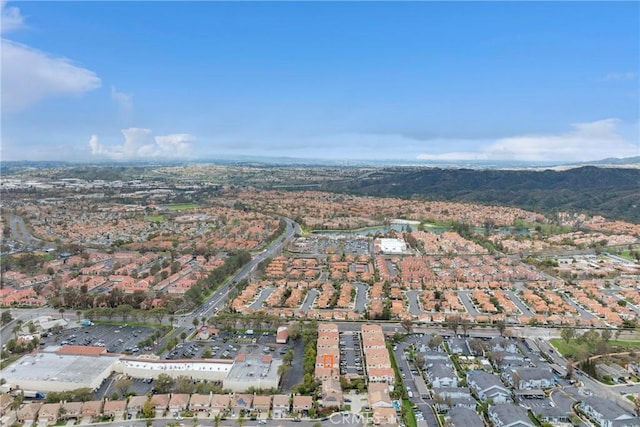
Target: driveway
{"type": "Point", "coordinates": [361, 297]}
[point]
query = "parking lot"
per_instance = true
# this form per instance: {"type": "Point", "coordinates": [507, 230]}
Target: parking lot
{"type": "Point", "coordinates": [227, 345]}
{"type": "Point", "coordinates": [350, 354]}
{"type": "Point", "coordinates": [124, 339]}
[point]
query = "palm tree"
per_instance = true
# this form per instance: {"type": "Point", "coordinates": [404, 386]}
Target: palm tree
{"type": "Point", "coordinates": [17, 402]}
{"type": "Point", "coordinates": [16, 329]}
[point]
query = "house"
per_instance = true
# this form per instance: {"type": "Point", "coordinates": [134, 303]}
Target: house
{"type": "Point", "coordinates": [530, 378]}
{"type": "Point", "coordinates": [488, 386]}
{"type": "Point", "coordinates": [384, 416]}
{"type": "Point", "coordinates": [262, 403]}
{"type": "Point", "coordinates": [552, 414]}
{"type": "Point", "coordinates": [441, 375]}
{"type": "Point", "coordinates": [451, 397]}
{"type": "Point", "coordinates": [160, 403]}
{"type": "Point", "coordinates": [302, 403]}
{"type": "Point", "coordinates": [220, 404]}
{"type": "Point", "coordinates": [200, 403]}
{"type": "Point", "coordinates": [71, 410]}
{"type": "Point", "coordinates": [49, 413]}
{"type": "Point", "coordinates": [135, 404]}
{"type": "Point", "coordinates": [502, 344]}
{"type": "Point", "coordinates": [282, 335]}
{"type": "Point", "coordinates": [281, 405]}
{"type": "Point", "coordinates": [605, 413]}
{"type": "Point", "coordinates": [378, 395]}
{"type": "Point", "coordinates": [435, 355]}
{"type": "Point", "coordinates": [509, 415]}
{"type": "Point", "coordinates": [463, 417]}
{"type": "Point", "coordinates": [28, 414]}
{"type": "Point", "coordinates": [179, 402]}
{"type": "Point", "coordinates": [331, 393]}
{"type": "Point", "coordinates": [92, 409]}
{"type": "Point", "coordinates": [458, 345]}
{"type": "Point", "coordinates": [5, 403]}
{"type": "Point", "coordinates": [114, 408]}
{"type": "Point", "coordinates": [241, 403]}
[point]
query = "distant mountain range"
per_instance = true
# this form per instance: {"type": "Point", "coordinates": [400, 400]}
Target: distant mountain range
{"type": "Point", "coordinates": [611, 192]}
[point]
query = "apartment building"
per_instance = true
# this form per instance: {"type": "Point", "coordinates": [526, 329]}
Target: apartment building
{"type": "Point", "coordinates": [377, 363]}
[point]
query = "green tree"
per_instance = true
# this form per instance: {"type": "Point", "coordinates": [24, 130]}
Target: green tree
{"type": "Point", "coordinates": [123, 385]}
{"type": "Point", "coordinates": [184, 384]}
{"type": "Point", "coordinates": [148, 409]}
{"type": "Point", "coordinates": [567, 334]}
{"type": "Point", "coordinates": [17, 402]}
{"type": "Point", "coordinates": [163, 383]}
{"type": "Point", "coordinates": [501, 326]}
{"type": "Point", "coordinates": [5, 317]}
{"type": "Point", "coordinates": [453, 322]}
{"type": "Point", "coordinates": [407, 324]}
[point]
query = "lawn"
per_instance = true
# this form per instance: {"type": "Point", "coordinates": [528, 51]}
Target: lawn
{"type": "Point", "coordinates": [155, 218]}
{"type": "Point", "coordinates": [409, 416]}
{"type": "Point", "coordinates": [571, 348]}
{"type": "Point", "coordinates": [182, 206]}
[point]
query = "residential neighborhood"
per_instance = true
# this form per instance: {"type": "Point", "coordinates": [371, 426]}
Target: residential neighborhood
{"type": "Point", "coordinates": [266, 305]}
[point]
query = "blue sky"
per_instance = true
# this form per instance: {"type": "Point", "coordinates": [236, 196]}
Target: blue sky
{"type": "Point", "coordinates": [540, 81]}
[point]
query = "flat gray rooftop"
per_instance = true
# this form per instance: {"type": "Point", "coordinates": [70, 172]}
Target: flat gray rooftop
{"type": "Point", "coordinates": [57, 368]}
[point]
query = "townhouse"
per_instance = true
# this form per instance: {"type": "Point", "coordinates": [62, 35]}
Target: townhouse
{"type": "Point", "coordinates": [281, 405]}
{"type": "Point", "coordinates": [377, 363]}
{"type": "Point", "coordinates": [488, 386]}
{"type": "Point", "coordinates": [114, 408]}
{"type": "Point", "coordinates": [200, 403]}
{"type": "Point", "coordinates": [509, 415]}
{"type": "Point", "coordinates": [606, 413]}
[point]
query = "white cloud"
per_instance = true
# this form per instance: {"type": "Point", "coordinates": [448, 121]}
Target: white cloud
{"type": "Point", "coordinates": [139, 145]}
{"type": "Point", "coordinates": [124, 101]}
{"type": "Point", "coordinates": [628, 75]}
{"type": "Point", "coordinates": [29, 76]}
{"type": "Point", "coordinates": [587, 141]}
{"type": "Point", "coordinates": [11, 18]}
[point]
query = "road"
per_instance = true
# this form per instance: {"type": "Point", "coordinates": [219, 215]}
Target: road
{"type": "Point", "coordinates": [409, 383]}
{"type": "Point", "coordinates": [468, 304]}
{"type": "Point", "coordinates": [362, 291]}
{"type": "Point", "coordinates": [20, 233]}
{"type": "Point", "coordinates": [519, 304]}
{"type": "Point", "coordinates": [414, 305]}
{"type": "Point", "coordinates": [312, 294]}
{"type": "Point", "coordinates": [264, 294]}
{"type": "Point", "coordinates": [218, 300]}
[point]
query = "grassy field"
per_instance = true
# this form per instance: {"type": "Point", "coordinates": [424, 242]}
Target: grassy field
{"type": "Point", "coordinates": [182, 206]}
{"type": "Point", "coordinates": [572, 348]}
{"type": "Point", "coordinates": [155, 218]}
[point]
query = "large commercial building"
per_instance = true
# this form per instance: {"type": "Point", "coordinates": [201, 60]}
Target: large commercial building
{"type": "Point", "coordinates": [62, 369]}
{"type": "Point", "coordinates": [151, 367]}
{"type": "Point", "coordinates": [71, 367]}
{"type": "Point", "coordinates": [260, 371]}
